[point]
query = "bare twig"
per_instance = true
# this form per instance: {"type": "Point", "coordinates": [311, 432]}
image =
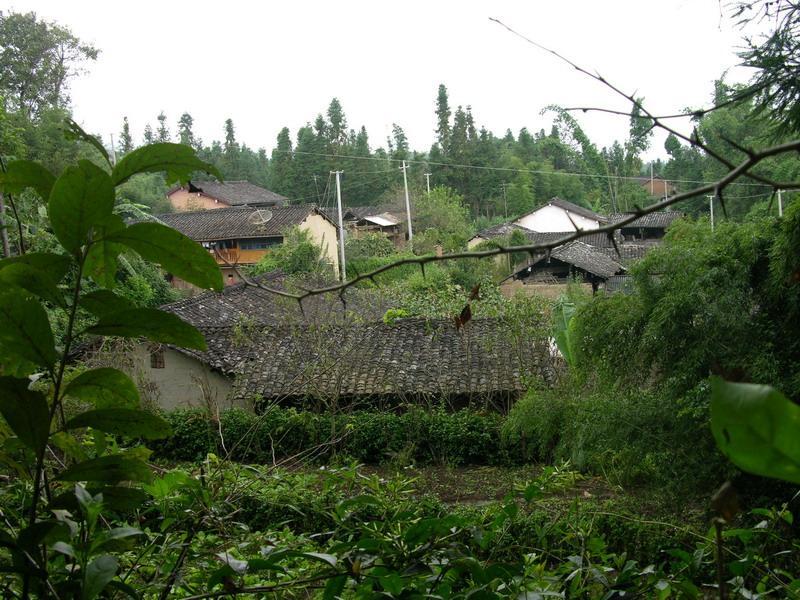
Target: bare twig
{"type": "Point", "coordinates": [716, 188]}
{"type": "Point", "coordinates": [637, 104]}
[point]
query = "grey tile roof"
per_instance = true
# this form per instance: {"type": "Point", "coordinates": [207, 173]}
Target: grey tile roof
{"type": "Point", "coordinates": [235, 223]}
{"type": "Point", "coordinates": [242, 303]}
{"type": "Point", "coordinates": [412, 357]}
{"type": "Point", "coordinates": [657, 220]}
{"type": "Point", "coordinates": [502, 230]}
{"type": "Point", "coordinates": [629, 252]}
{"type": "Point", "coordinates": [590, 259]}
{"type": "Point", "coordinates": [238, 193]}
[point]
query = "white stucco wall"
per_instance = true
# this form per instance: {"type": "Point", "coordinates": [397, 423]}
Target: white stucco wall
{"type": "Point", "coordinates": [551, 218]}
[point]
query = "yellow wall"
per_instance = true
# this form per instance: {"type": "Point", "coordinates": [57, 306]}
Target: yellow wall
{"type": "Point", "coordinates": [323, 233]}
{"type": "Point", "coordinates": [182, 200]}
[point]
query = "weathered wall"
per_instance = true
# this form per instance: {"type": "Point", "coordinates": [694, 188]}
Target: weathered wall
{"type": "Point", "coordinates": [183, 382]}
{"type": "Point", "coordinates": [182, 200]}
{"type": "Point", "coordinates": [553, 219]}
{"type": "Point", "coordinates": [323, 233]}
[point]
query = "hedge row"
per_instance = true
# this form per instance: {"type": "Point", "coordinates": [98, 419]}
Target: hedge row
{"type": "Point", "coordinates": [418, 436]}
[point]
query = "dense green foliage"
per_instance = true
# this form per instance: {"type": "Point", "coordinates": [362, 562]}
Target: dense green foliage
{"type": "Point", "coordinates": [415, 436]}
{"type": "Point", "coordinates": [297, 255]}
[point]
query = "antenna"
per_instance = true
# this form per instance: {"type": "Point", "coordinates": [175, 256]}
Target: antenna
{"type": "Point", "coordinates": [260, 216]}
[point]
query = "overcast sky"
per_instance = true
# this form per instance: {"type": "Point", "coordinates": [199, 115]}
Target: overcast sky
{"type": "Point", "coordinates": [273, 64]}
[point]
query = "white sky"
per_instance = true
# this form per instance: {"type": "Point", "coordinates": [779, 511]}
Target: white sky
{"type": "Point", "coordinates": [273, 64]}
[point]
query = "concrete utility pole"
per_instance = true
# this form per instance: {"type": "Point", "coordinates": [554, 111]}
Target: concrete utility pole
{"type": "Point", "coordinates": [711, 208]}
{"type": "Point", "coordinates": [3, 230]}
{"type": "Point", "coordinates": [113, 152]}
{"type": "Point", "coordinates": [428, 182]}
{"type": "Point", "coordinates": [408, 202]}
{"type": "Point", "coordinates": [780, 204]}
{"type": "Point", "coordinates": [505, 200]}
{"type": "Point", "coordinates": [342, 265]}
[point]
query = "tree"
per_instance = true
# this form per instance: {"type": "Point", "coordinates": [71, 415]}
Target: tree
{"type": "Point", "coordinates": [185, 133]}
{"type": "Point", "coordinates": [337, 125]}
{"type": "Point", "coordinates": [163, 129]}
{"type": "Point", "coordinates": [281, 168]}
{"type": "Point", "coordinates": [443, 118]}
{"type": "Point", "coordinates": [149, 137]}
{"type": "Point", "coordinates": [441, 217]}
{"type": "Point", "coordinates": [125, 140]}
{"type": "Point", "coordinates": [776, 59]}
{"type": "Point", "coordinates": [37, 61]}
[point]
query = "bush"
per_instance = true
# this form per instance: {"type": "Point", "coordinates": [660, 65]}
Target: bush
{"type": "Point", "coordinates": [458, 438]}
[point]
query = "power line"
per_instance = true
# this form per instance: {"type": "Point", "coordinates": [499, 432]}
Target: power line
{"type": "Point", "coordinates": [503, 169]}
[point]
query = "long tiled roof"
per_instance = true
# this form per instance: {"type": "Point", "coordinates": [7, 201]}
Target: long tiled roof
{"type": "Point", "coordinates": [236, 223]}
{"type": "Point", "coordinates": [409, 358]}
{"type": "Point", "coordinates": [656, 220]}
{"type": "Point", "coordinates": [590, 259]}
{"type": "Point", "coordinates": [243, 303]}
{"type": "Point", "coordinates": [238, 193]}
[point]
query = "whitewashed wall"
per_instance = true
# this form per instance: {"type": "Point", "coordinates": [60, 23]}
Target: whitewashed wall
{"type": "Point", "coordinates": [552, 218]}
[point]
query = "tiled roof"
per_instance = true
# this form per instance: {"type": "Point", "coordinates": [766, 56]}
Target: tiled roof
{"type": "Point", "coordinates": [629, 252]}
{"type": "Point", "coordinates": [656, 220]}
{"type": "Point", "coordinates": [238, 193]}
{"type": "Point", "coordinates": [242, 303]}
{"type": "Point", "coordinates": [412, 357]}
{"type": "Point", "coordinates": [236, 223]}
{"type": "Point", "coordinates": [590, 259]}
{"type": "Point", "coordinates": [501, 230]}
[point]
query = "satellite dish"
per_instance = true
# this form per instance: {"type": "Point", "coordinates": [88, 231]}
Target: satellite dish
{"type": "Point", "coordinates": [260, 216]}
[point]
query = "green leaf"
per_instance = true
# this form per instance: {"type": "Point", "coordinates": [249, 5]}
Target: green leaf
{"type": "Point", "coordinates": [123, 421]}
{"type": "Point", "coordinates": [69, 445]}
{"type": "Point", "coordinates": [335, 586]}
{"type": "Point", "coordinates": [55, 265]}
{"type": "Point", "coordinates": [328, 559]}
{"type": "Point", "coordinates": [101, 260]}
{"type": "Point", "coordinates": [113, 535]}
{"type": "Point", "coordinates": [22, 174]}
{"type": "Point", "coordinates": [103, 302]}
{"type": "Point", "coordinates": [174, 251]}
{"type": "Point", "coordinates": [99, 574]}
{"type": "Point", "coordinates": [562, 316]}
{"type": "Point", "coordinates": [82, 197]}
{"type": "Point", "coordinates": [25, 411]}
{"type": "Point", "coordinates": [33, 280]}
{"type": "Point", "coordinates": [757, 428]}
{"type": "Point", "coordinates": [109, 469]}
{"type": "Point", "coordinates": [105, 388]}
{"type": "Point", "coordinates": [151, 323]}
{"type": "Point", "coordinates": [176, 160]}
{"type": "Point", "coordinates": [73, 131]}
{"type": "Point", "coordinates": [25, 329]}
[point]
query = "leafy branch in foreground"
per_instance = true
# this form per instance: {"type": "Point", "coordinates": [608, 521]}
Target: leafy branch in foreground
{"type": "Point", "coordinates": [65, 548]}
{"type": "Point", "coordinates": [715, 188]}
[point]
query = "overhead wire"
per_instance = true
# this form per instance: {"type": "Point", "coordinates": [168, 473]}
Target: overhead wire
{"type": "Point", "coordinates": [506, 169]}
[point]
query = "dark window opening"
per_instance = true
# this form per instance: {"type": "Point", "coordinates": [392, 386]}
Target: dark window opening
{"type": "Point", "coordinates": [157, 358]}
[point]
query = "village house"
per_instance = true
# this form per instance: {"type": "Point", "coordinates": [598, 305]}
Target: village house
{"type": "Point", "coordinates": [241, 236]}
{"type": "Point", "coordinates": [657, 186]}
{"type": "Point", "coordinates": [560, 215]}
{"type": "Point", "coordinates": [386, 219]}
{"type": "Point", "coordinates": [549, 272]}
{"type": "Point", "coordinates": [648, 227]}
{"type": "Point", "coordinates": [207, 195]}
{"type": "Point", "coordinates": [263, 349]}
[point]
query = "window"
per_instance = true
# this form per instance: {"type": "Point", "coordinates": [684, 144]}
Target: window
{"type": "Point", "coordinates": [259, 243]}
{"type": "Point", "coordinates": [157, 357]}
